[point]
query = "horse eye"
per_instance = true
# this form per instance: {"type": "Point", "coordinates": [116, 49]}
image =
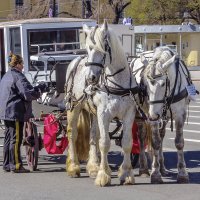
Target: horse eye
{"type": "Point", "coordinates": [155, 61]}
{"type": "Point", "coordinates": [153, 82]}
{"type": "Point", "coordinates": [162, 84]}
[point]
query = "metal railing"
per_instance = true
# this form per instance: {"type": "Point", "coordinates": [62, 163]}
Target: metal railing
{"type": "Point", "coordinates": [54, 47]}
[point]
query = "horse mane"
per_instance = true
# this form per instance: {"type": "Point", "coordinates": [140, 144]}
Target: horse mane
{"type": "Point", "coordinates": [162, 54]}
{"type": "Point", "coordinates": [117, 51]}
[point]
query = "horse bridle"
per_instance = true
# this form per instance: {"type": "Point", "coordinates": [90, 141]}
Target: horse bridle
{"type": "Point", "coordinates": [172, 98]}
{"type": "Point", "coordinates": [107, 49]}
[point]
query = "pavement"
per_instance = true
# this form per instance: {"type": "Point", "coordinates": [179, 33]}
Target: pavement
{"type": "Point", "coordinates": [50, 181]}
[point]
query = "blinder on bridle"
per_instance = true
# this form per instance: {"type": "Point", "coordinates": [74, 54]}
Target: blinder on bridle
{"type": "Point", "coordinates": [107, 49]}
{"type": "Point", "coordinates": [153, 76]}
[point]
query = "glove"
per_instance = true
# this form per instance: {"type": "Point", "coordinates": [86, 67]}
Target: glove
{"type": "Point", "coordinates": [42, 87]}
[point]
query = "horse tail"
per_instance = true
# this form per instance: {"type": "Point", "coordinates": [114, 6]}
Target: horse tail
{"type": "Point", "coordinates": [148, 136]}
{"type": "Point", "coordinates": [82, 142]}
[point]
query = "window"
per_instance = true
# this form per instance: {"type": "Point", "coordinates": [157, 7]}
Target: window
{"type": "Point", "coordinates": [53, 40]}
{"type": "Point", "coordinates": [15, 41]}
{"type": "Point", "coordinates": [19, 2]}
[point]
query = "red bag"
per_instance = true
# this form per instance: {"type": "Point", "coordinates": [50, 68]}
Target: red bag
{"type": "Point", "coordinates": [51, 128]}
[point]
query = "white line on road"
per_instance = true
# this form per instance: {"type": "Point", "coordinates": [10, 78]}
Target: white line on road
{"type": "Point", "coordinates": [188, 123]}
{"type": "Point", "coordinates": [194, 123]}
{"type": "Point", "coordinates": [170, 149]}
{"type": "Point", "coordinates": [192, 116]}
{"type": "Point", "coordinates": [185, 130]}
{"type": "Point", "coordinates": [194, 111]}
{"type": "Point", "coordinates": [189, 140]}
{"type": "Point", "coordinates": [194, 106]}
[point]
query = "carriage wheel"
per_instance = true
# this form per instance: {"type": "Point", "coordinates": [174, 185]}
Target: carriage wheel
{"type": "Point", "coordinates": [32, 153]}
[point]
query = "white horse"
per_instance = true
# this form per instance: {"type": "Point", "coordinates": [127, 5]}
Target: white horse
{"type": "Point", "coordinates": [138, 67]}
{"type": "Point", "coordinates": [82, 127]}
{"type": "Point", "coordinates": [114, 97]}
{"type": "Point", "coordinates": [166, 78]}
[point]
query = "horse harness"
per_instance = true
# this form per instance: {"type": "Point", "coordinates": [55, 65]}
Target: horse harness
{"type": "Point", "coordinates": [172, 98]}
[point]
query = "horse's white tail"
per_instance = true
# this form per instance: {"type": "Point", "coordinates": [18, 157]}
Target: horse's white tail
{"type": "Point", "coordinates": [82, 142]}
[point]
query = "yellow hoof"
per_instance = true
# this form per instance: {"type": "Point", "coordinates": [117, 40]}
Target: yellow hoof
{"type": "Point", "coordinates": [92, 170]}
{"type": "Point", "coordinates": [73, 170]}
{"type": "Point", "coordinates": [102, 179]}
{"type": "Point", "coordinates": [126, 177]}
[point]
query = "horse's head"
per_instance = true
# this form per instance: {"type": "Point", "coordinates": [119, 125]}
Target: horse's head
{"type": "Point", "coordinates": [97, 45]}
{"type": "Point", "coordinates": [160, 75]}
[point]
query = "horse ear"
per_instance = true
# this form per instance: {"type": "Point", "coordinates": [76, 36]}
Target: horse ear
{"type": "Point", "coordinates": [104, 27]}
{"type": "Point", "coordinates": [144, 60]}
{"type": "Point", "coordinates": [86, 29]}
{"type": "Point", "coordinates": [168, 63]}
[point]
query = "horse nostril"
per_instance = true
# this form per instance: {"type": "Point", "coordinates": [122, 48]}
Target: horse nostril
{"type": "Point", "coordinates": [93, 78]}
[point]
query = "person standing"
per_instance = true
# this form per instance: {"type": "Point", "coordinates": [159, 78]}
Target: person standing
{"type": "Point", "coordinates": [15, 108]}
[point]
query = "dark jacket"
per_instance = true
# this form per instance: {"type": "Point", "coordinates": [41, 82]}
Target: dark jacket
{"type": "Point", "coordinates": [16, 95]}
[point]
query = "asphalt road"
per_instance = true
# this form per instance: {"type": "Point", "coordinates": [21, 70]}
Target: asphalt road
{"type": "Point", "coordinates": [51, 182]}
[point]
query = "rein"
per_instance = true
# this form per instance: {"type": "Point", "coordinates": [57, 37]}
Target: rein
{"type": "Point", "coordinates": [172, 98]}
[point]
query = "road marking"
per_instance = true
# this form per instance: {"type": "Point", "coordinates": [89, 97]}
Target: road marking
{"type": "Point", "coordinates": [170, 149]}
{"type": "Point", "coordinates": [194, 123]}
{"type": "Point", "coordinates": [185, 130]}
{"type": "Point", "coordinates": [192, 116]}
{"type": "Point", "coordinates": [194, 106]}
{"type": "Point", "coordinates": [195, 111]}
{"type": "Point", "coordinates": [188, 123]}
{"type": "Point", "coordinates": [188, 140]}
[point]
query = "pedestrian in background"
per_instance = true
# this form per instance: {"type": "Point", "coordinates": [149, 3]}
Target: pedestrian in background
{"type": "Point", "coordinates": [15, 108]}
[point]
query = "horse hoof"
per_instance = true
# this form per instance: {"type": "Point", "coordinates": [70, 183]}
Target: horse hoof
{"type": "Point", "coordinates": [102, 179]}
{"type": "Point", "coordinates": [92, 170]}
{"type": "Point", "coordinates": [128, 181]}
{"type": "Point", "coordinates": [126, 177]}
{"type": "Point", "coordinates": [74, 174]}
{"type": "Point", "coordinates": [156, 180]}
{"type": "Point", "coordinates": [73, 171]}
{"type": "Point", "coordinates": [144, 173]}
{"type": "Point", "coordinates": [93, 174]}
{"type": "Point", "coordinates": [182, 179]}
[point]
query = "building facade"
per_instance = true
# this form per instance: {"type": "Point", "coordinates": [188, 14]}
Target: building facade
{"type": "Point", "coordinates": [9, 7]}
{"type": "Point", "coordinates": [184, 39]}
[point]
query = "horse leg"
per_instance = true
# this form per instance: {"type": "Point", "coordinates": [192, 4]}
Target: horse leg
{"type": "Point", "coordinates": [156, 145]}
{"type": "Point", "coordinates": [163, 170]}
{"type": "Point", "coordinates": [72, 164]}
{"type": "Point", "coordinates": [104, 174]}
{"type": "Point", "coordinates": [143, 170]}
{"type": "Point", "coordinates": [179, 143]}
{"type": "Point", "coordinates": [125, 173]}
{"type": "Point", "coordinates": [93, 162]}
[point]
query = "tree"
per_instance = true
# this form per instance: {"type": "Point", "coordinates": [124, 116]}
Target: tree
{"type": "Point", "coordinates": [154, 11]}
{"type": "Point", "coordinates": [31, 9]}
{"type": "Point", "coordinates": [118, 7]}
{"type": "Point", "coordinates": [163, 12]}
{"type": "Point", "coordinates": [193, 9]}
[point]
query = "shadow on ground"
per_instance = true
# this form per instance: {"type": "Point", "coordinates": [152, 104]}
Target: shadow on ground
{"type": "Point", "coordinates": [192, 160]}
